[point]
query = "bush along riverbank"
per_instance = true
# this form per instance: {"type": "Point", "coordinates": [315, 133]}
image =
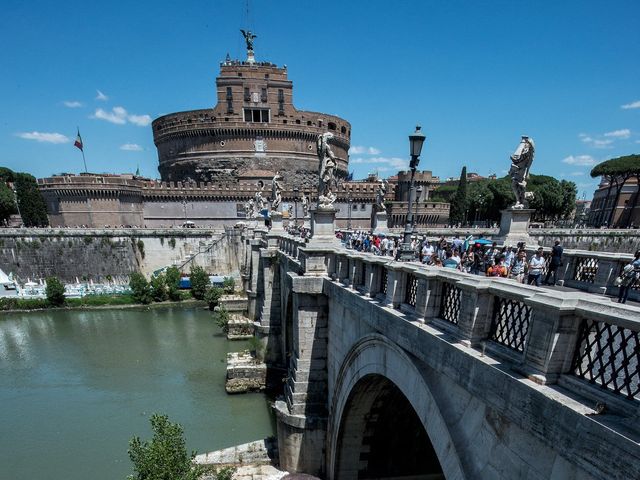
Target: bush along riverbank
{"type": "Point", "coordinates": [163, 289]}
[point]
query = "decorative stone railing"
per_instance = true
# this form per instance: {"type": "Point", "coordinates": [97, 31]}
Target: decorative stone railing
{"type": "Point", "coordinates": [593, 272]}
{"type": "Point", "coordinates": [583, 342]}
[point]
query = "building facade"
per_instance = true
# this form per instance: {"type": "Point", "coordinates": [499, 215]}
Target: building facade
{"type": "Point", "coordinates": [615, 210]}
{"type": "Point", "coordinates": [254, 126]}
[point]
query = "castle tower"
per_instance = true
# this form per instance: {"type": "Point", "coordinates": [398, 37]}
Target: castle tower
{"type": "Point", "coordinates": [253, 127]}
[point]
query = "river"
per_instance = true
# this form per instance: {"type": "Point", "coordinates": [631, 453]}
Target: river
{"type": "Point", "coordinates": [75, 386]}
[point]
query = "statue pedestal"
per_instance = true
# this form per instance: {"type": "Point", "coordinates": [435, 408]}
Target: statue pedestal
{"type": "Point", "coordinates": [514, 225]}
{"type": "Point", "coordinates": [306, 222]}
{"type": "Point", "coordinates": [276, 222]}
{"type": "Point", "coordinates": [323, 228]}
{"type": "Point", "coordinates": [380, 222]}
{"type": "Point", "coordinates": [251, 59]}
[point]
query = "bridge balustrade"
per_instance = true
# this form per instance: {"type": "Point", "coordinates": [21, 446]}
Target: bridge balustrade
{"type": "Point", "coordinates": [593, 272]}
{"type": "Point", "coordinates": [607, 355]}
{"type": "Point", "coordinates": [585, 343]}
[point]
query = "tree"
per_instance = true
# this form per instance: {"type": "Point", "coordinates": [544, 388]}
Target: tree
{"type": "Point", "coordinates": [141, 291]}
{"type": "Point", "coordinates": [459, 202]}
{"type": "Point", "coordinates": [229, 285]}
{"type": "Point", "coordinates": [616, 172]}
{"type": "Point", "coordinates": [165, 457]}
{"type": "Point", "coordinates": [33, 208]}
{"type": "Point", "coordinates": [172, 279]}
{"type": "Point", "coordinates": [7, 202]}
{"type": "Point", "coordinates": [444, 193]}
{"type": "Point", "coordinates": [548, 197]}
{"type": "Point", "coordinates": [7, 175]}
{"type": "Point", "coordinates": [199, 282]}
{"type": "Point", "coordinates": [54, 292]}
{"type": "Point", "coordinates": [569, 194]}
{"type": "Point", "coordinates": [221, 317]}
{"type": "Point", "coordinates": [212, 297]}
{"type": "Point", "coordinates": [159, 288]}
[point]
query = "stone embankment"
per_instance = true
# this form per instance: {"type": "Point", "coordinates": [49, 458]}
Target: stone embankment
{"type": "Point", "coordinates": [252, 461]}
{"type": "Point", "coordinates": [245, 373]}
{"type": "Point", "coordinates": [240, 327]}
{"type": "Point", "coordinates": [113, 254]}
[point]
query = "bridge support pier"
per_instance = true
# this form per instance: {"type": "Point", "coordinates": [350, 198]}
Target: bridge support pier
{"type": "Point", "coordinates": [302, 416]}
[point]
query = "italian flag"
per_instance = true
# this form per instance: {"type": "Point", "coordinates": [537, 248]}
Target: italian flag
{"type": "Point", "coordinates": [78, 142]}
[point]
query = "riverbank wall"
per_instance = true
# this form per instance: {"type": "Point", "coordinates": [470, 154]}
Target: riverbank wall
{"type": "Point", "coordinates": [113, 254]}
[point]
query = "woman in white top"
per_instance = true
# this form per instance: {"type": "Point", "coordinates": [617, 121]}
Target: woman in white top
{"type": "Point", "coordinates": [536, 267]}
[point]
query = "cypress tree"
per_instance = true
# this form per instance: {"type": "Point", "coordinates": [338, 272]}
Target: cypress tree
{"type": "Point", "coordinates": [458, 208]}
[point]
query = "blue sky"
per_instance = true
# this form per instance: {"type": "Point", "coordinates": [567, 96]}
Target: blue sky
{"type": "Point", "coordinates": [475, 75]}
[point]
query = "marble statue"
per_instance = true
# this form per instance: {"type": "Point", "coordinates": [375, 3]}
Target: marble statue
{"type": "Point", "coordinates": [276, 191]}
{"type": "Point", "coordinates": [249, 209]}
{"type": "Point", "coordinates": [328, 165]}
{"type": "Point", "coordinates": [305, 205]}
{"type": "Point", "coordinates": [258, 199]}
{"type": "Point", "coordinates": [380, 193]}
{"type": "Point", "coordinates": [248, 38]}
{"type": "Point", "coordinates": [521, 161]}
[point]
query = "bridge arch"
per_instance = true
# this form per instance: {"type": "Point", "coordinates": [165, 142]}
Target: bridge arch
{"type": "Point", "coordinates": [379, 390]}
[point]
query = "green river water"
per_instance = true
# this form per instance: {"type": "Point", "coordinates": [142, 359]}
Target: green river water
{"type": "Point", "coordinates": [75, 386]}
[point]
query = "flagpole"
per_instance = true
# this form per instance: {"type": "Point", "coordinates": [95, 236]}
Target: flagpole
{"type": "Point", "coordinates": [84, 161]}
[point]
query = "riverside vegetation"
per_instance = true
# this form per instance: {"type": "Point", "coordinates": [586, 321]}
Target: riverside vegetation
{"type": "Point", "coordinates": [165, 456]}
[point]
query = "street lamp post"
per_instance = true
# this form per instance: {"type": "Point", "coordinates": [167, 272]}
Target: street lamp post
{"type": "Point", "coordinates": [413, 220]}
{"type": "Point", "coordinates": [296, 190]}
{"type": "Point", "coordinates": [415, 143]}
{"type": "Point", "coordinates": [349, 200]}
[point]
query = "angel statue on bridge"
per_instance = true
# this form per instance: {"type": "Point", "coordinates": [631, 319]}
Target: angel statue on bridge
{"type": "Point", "coordinates": [521, 161]}
{"type": "Point", "coordinates": [276, 191]}
{"type": "Point", "coordinates": [328, 165]}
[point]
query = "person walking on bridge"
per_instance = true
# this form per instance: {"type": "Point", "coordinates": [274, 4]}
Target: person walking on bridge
{"type": "Point", "coordinates": [630, 274]}
{"type": "Point", "coordinates": [536, 267]}
{"type": "Point", "coordinates": [556, 261]}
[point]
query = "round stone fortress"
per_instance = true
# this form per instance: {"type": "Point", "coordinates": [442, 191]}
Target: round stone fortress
{"type": "Point", "coordinates": [253, 127]}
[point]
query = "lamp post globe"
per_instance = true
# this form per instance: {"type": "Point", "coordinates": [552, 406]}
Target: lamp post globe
{"type": "Point", "coordinates": [416, 140]}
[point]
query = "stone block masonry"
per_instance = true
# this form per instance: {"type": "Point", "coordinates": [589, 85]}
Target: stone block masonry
{"type": "Point", "coordinates": [100, 254]}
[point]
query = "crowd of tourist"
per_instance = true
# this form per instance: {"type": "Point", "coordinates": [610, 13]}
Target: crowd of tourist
{"type": "Point", "coordinates": [475, 256]}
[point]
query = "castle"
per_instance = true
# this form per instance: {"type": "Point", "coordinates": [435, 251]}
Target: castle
{"type": "Point", "coordinates": [212, 161]}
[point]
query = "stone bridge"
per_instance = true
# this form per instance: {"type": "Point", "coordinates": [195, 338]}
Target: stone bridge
{"type": "Point", "coordinates": [395, 370]}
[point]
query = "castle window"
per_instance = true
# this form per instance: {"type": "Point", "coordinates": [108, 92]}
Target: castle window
{"type": "Point", "coordinates": [263, 96]}
{"type": "Point", "coordinates": [332, 126]}
{"type": "Point", "coordinates": [280, 101]}
{"type": "Point", "coordinates": [266, 76]}
{"type": "Point", "coordinates": [297, 121]}
{"type": "Point", "coordinates": [247, 94]}
{"type": "Point", "coordinates": [239, 74]}
{"type": "Point", "coordinates": [256, 115]}
{"type": "Point", "coordinates": [229, 100]}
{"type": "Point", "coordinates": [308, 123]}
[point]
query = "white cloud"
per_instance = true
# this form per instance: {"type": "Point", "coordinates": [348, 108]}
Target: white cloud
{"type": "Point", "coordinates": [131, 147]}
{"type": "Point", "coordinates": [359, 150]}
{"type": "Point", "coordinates": [73, 104]}
{"type": "Point", "coordinates": [44, 137]}
{"type": "Point", "coordinates": [623, 133]}
{"type": "Point", "coordinates": [101, 96]}
{"type": "Point", "coordinates": [631, 105]}
{"type": "Point", "coordinates": [597, 142]}
{"type": "Point", "coordinates": [601, 143]}
{"type": "Point", "coordinates": [383, 163]}
{"type": "Point", "coordinates": [140, 120]}
{"type": "Point", "coordinates": [114, 116]}
{"type": "Point", "coordinates": [581, 160]}
{"type": "Point", "coordinates": [119, 116]}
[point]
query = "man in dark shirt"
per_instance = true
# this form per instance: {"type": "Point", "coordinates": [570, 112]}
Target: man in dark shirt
{"type": "Point", "coordinates": [556, 261]}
